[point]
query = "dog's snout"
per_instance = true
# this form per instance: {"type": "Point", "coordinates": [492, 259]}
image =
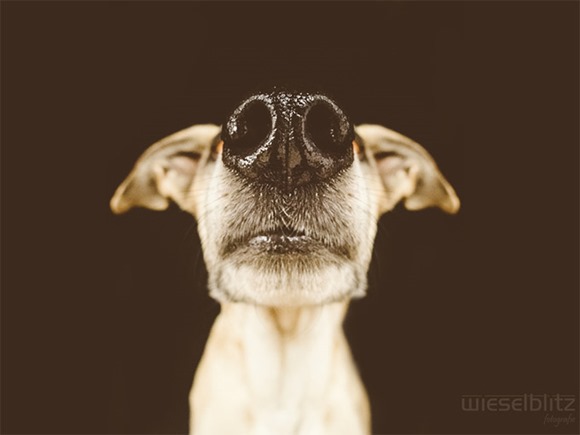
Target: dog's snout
{"type": "Point", "coordinates": [288, 139]}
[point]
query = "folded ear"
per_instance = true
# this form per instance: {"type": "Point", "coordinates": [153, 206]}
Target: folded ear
{"type": "Point", "coordinates": [407, 171]}
{"type": "Point", "coordinates": [166, 170]}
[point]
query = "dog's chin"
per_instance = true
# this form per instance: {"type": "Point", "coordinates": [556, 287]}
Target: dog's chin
{"type": "Point", "coordinates": [280, 276]}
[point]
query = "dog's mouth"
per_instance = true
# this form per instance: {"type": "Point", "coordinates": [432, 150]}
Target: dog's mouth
{"type": "Point", "coordinates": [282, 241]}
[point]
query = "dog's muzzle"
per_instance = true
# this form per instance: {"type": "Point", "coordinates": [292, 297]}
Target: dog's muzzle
{"type": "Point", "coordinates": [288, 139]}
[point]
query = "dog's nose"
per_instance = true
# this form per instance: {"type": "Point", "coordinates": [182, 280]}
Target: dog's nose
{"type": "Point", "coordinates": [288, 139]}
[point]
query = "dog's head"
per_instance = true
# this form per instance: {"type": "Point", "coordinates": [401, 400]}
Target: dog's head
{"type": "Point", "coordinates": [287, 195]}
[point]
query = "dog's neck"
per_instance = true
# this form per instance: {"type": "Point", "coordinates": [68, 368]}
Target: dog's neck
{"type": "Point", "coordinates": [287, 323]}
{"type": "Point", "coordinates": [283, 349]}
{"type": "Point", "coordinates": [281, 366]}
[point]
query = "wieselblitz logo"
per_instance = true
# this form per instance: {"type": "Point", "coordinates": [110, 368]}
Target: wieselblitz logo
{"type": "Point", "coordinates": [556, 409]}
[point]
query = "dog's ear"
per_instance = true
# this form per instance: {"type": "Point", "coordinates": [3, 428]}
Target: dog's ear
{"type": "Point", "coordinates": [407, 171]}
{"type": "Point", "coordinates": [166, 170]}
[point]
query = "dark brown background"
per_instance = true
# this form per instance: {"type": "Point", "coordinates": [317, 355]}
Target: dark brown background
{"type": "Point", "coordinates": [104, 318]}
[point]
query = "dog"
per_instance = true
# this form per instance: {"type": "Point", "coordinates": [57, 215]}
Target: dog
{"type": "Point", "coordinates": [287, 195]}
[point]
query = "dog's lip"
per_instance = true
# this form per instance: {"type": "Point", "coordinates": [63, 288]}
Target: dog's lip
{"type": "Point", "coordinates": [284, 241]}
{"type": "Point", "coordinates": [280, 239]}
{"type": "Point", "coordinates": [277, 241]}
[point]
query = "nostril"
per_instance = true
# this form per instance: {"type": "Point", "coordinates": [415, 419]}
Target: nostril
{"type": "Point", "coordinates": [248, 128]}
{"type": "Point", "coordinates": [328, 128]}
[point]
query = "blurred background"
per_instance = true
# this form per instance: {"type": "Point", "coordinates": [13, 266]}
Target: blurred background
{"type": "Point", "coordinates": [104, 318]}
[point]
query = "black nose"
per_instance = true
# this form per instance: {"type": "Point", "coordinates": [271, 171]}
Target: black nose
{"type": "Point", "coordinates": [288, 139]}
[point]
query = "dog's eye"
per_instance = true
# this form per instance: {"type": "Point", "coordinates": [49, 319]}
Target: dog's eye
{"type": "Point", "coordinates": [358, 149]}
{"type": "Point", "coordinates": [217, 149]}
